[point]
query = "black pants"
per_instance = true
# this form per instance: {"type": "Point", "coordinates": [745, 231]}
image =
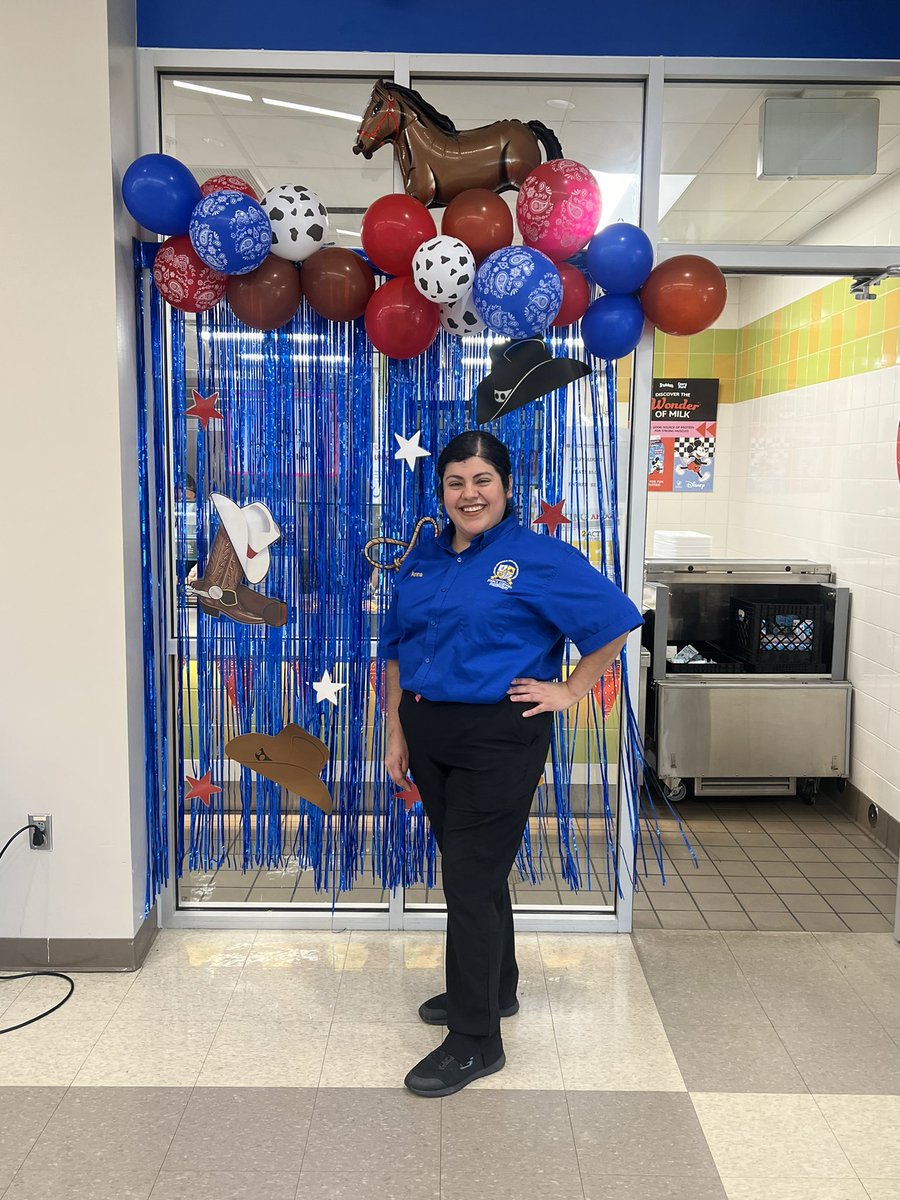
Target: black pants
{"type": "Point", "coordinates": [476, 767]}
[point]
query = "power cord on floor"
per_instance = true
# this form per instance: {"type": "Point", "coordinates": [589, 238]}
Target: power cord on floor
{"type": "Point", "coordinates": [38, 841]}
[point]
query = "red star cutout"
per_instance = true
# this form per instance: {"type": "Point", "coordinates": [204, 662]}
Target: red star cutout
{"type": "Point", "coordinates": [410, 796]}
{"type": "Point", "coordinates": [204, 408]}
{"type": "Point", "coordinates": [201, 789]}
{"type": "Point", "coordinates": [551, 516]}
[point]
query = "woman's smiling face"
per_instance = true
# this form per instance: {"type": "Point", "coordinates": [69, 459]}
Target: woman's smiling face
{"type": "Point", "coordinates": [474, 497]}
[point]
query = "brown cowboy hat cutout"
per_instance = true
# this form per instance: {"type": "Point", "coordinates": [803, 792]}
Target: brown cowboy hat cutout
{"type": "Point", "coordinates": [293, 758]}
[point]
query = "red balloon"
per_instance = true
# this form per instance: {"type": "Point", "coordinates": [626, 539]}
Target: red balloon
{"type": "Point", "coordinates": [267, 297]}
{"type": "Point", "coordinates": [393, 228]}
{"type": "Point", "coordinates": [684, 295]}
{"type": "Point", "coordinates": [481, 219]}
{"type": "Point", "coordinates": [400, 322]}
{"type": "Point", "coordinates": [227, 183]}
{"type": "Point", "coordinates": [185, 281]}
{"type": "Point", "coordinates": [576, 295]}
{"type": "Point", "coordinates": [337, 283]}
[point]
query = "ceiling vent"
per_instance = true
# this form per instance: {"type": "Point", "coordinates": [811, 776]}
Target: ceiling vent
{"type": "Point", "coordinates": [817, 138]}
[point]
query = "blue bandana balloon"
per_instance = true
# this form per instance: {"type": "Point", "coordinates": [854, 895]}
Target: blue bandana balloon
{"type": "Point", "coordinates": [517, 292]}
{"type": "Point", "coordinates": [230, 232]}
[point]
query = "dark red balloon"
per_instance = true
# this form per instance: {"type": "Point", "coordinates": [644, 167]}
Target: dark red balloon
{"type": "Point", "coordinates": [393, 228]}
{"type": "Point", "coordinates": [576, 295]}
{"type": "Point", "coordinates": [337, 283]}
{"type": "Point", "coordinates": [400, 322]}
{"type": "Point", "coordinates": [684, 295]}
{"type": "Point", "coordinates": [185, 281]}
{"type": "Point", "coordinates": [481, 219]}
{"type": "Point", "coordinates": [267, 297]}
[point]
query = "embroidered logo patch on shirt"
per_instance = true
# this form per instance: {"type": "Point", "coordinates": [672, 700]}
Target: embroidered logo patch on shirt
{"type": "Point", "coordinates": [503, 574]}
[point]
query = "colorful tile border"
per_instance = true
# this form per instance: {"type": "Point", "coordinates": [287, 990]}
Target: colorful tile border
{"type": "Point", "coordinates": [821, 337]}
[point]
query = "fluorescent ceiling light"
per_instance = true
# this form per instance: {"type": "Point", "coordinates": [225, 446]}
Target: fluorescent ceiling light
{"type": "Point", "coordinates": [350, 232]}
{"type": "Point", "coordinates": [198, 87]}
{"type": "Point", "coordinates": [322, 112]}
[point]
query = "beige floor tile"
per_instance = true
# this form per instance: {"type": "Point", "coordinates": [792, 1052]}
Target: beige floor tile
{"type": "Point", "coordinates": [280, 949]}
{"type": "Point", "coordinates": [371, 1055]}
{"type": "Point", "coordinates": [244, 1053]}
{"type": "Point", "coordinates": [96, 996]}
{"type": "Point", "coordinates": [868, 1130]}
{"type": "Point", "coordinates": [49, 1053]}
{"type": "Point", "coordinates": [883, 1189]}
{"type": "Point", "coordinates": [160, 993]}
{"type": "Point", "coordinates": [740, 1188]}
{"type": "Point", "coordinates": [628, 1054]}
{"type": "Point", "coordinates": [200, 948]}
{"type": "Point", "coordinates": [145, 1052]}
{"type": "Point", "coordinates": [774, 1137]}
{"type": "Point", "coordinates": [389, 997]}
{"type": "Point", "coordinates": [311, 995]}
{"type": "Point", "coordinates": [532, 1059]}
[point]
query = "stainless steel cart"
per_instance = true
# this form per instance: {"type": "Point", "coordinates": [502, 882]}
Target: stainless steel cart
{"type": "Point", "coordinates": [739, 727]}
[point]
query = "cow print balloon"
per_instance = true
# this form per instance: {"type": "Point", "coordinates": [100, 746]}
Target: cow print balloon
{"type": "Point", "coordinates": [460, 317]}
{"type": "Point", "coordinates": [443, 269]}
{"type": "Point", "coordinates": [299, 221]}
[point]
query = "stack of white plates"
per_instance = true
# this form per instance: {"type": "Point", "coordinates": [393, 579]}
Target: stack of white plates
{"type": "Point", "coordinates": [681, 543]}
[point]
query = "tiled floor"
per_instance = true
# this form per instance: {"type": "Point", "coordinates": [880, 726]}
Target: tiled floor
{"type": "Point", "coordinates": [772, 864]}
{"type": "Point", "coordinates": [268, 1065]}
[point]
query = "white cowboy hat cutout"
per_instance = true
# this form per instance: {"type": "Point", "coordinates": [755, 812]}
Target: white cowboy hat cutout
{"type": "Point", "coordinates": [251, 529]}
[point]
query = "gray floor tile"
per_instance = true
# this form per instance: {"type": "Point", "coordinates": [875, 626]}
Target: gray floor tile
{"type": "Point", "coordinates": [396, 1146]}
{"type": "Point", "coordinates": [652, 1187]}
{"type": "Point", "coordinates": [837, 887]}
{"type": "Point", "coordinates": [821, 922]}
{"type": "Point", "coordinates": [785, 870]}
{"type": "Point", "coordinates": [730, 920]}
{"type": "Point", "coordinates": [721, 1037]}
{"type": "Point", "coordinates": [749, 883]}
{"type": "Point", "coordinates": [710, 902]}
{"type": "Point", "coordinates": [731, 869]}
{"type": "Point", "coordinates": [35, 1183]}
{"type": "Point", "coordinates": [804, 854]}
{"type": "Point", "coordinates": [767, 854]}
{"type": "Point", "coordinates": [707, 883]}
{"type": "Point", "coordinates": [793, 838]}
{"type": "Point", "coordinates": [490, 1138]}
{"type": "Point", "coordinates": [639, 1133]}
{"type": "Point", "coordinates": [243, 1129]}
{"type": "Point", "coordinates": [816, 871]}
{"type": "Point", "coordinates": [810, 902]}
{"type": "Point", "coordinates": [677, 919]}
{"type": "Point", "coordinates": [726, 853]}
{"type": "Point", "coordinates": [110, 1129]}
{"type": "Point", "coordinates": [646, 920]}
{"type": "Point", "coordinates": [867, 870]}
{"type": "Point", "coordinates": [760, 902]}
{"type": "Point", "coordinates": [871, 966]}
{"type": "Point", "coordinates": [867, 923]}
{"type": "Point", "coordinates": [231, 1185]}
{"type": "Point", "coordinates": [874, 885]}
{"type": "Point", "coordinates": [776, 922]}
{"type": "Point", "coordinates": [668, 900]}
{"type": "Point", "coordinates": [24, 1113]}
{"type": "Point", "coordinates": [878, 855]}
{"type": "Point", "coordinates": [849, 904]}
{"type": "Point", "coordinates": [836, 1043]}
{"type": "Point", "coordinates": [791, 885]}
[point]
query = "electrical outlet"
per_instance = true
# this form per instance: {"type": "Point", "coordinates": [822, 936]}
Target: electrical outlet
{"type": "Point", "coordinates": [43, 822]}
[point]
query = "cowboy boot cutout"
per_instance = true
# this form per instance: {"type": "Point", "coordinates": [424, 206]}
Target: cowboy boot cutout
{"type": "Point", "coordinates": [220, 592]}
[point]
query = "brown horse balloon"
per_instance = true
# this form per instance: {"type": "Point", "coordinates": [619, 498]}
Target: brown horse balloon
{"type": "Point", "coordinates": [437, 160]}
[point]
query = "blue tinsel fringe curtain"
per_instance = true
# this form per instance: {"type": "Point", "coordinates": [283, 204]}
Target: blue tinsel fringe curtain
{"type": "Point", "coordinates": [309, 417]}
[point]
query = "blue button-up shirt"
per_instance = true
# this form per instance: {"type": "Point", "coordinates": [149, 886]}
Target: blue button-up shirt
{"type": "Point", "coordinates": [464, 625]}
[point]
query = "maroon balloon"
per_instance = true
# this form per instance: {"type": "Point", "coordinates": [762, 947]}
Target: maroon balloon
{"type": "Point", "coordinates": [481, 219]}
{"type": "Point", "coordinates": [684, 295]}
{"type": "Point", "coordinates": [400, 322]}
{"type": "Point", "coordinates": [267, 297]}
{"type": "Point", "coordinates": [576, 295]}
{"type": "Point", "coordinates": [337, 283]}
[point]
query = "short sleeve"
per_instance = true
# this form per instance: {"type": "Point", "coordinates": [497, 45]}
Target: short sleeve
{"type": "Point", "coordinates": [389, 636]}
{"type": "Point", "coordinates": [587, 607]}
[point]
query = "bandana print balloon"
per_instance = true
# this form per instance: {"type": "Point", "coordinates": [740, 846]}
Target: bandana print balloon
{"type": "Point", "coordinates": [230, 232]}
{"type": "Point", "coordinates": [185, 281]}
{"type": "Point", "coordinates": [518, 291]}
{"type": "Point", "coordinates": [558, 207]}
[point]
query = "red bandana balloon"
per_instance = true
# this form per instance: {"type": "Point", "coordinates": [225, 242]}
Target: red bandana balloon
{"type": "Point", "coordinates": [558, 208]}
{"type": "Point", "coordinates": [185, 281]}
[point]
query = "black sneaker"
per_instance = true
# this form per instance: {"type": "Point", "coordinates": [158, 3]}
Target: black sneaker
{"type": "Point", "coordinates": [440, 1074]}
{"type": "Point", "coordinates": [434, 1011]}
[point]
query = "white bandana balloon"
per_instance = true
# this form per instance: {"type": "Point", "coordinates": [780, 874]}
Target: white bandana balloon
{"type": "Point", "coordinates": [443, 269]}
{"type": "Point", "coordinates": [299, 221]}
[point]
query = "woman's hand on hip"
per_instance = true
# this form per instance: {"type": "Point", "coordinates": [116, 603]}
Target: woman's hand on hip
{"type": "Point", "coordinates": [547, 697]}
{"type": "Point", "coordinates": [396, 759]}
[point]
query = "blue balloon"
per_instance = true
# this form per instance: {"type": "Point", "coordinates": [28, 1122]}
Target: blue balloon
{"type": "Point", "coordinates": [619, 258]}
{"type": "Point", "coordinates": [230, 232]}
{"type": "Point", "coordinates": [160, 193]}
{"type": "Point", "coordinates": [517, 291]}
{"type": "Point", "coordinates": [612, 326]}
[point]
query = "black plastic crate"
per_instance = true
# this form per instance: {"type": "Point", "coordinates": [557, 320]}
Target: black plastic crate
{"type": "Point", "coordinates": [724, 664]}
{"type": "Point", "coordinates": [778, 636]}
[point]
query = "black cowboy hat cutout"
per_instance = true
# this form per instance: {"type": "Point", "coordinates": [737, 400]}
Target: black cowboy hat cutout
{"type": "Point", "coordinates": [521, 372]}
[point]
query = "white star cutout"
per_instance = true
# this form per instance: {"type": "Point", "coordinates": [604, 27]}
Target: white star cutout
{"type": "Point", "coordinates": [326, 688]}
{"type": "Point", "coordinates": [410, 449]}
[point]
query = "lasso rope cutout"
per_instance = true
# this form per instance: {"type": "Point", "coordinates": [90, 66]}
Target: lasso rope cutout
{"type": "Point", "coordinates": [407, 548]}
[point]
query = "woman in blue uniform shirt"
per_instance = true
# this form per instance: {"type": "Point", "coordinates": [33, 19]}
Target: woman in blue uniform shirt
{"type": "Point", "coordinates": [473, 641]}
